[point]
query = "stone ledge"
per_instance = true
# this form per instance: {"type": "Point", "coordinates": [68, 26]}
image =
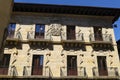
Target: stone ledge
{"type": "Point", "coordinates": [58, 78]}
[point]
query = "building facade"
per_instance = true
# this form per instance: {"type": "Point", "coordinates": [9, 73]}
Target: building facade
{"type": "Point", "coordinates": [57, 41]}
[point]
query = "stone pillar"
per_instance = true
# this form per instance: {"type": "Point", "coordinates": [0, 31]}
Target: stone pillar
{"type": "Point", "coordinates": [55, 58]}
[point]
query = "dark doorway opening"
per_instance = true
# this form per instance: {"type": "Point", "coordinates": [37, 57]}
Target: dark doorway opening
{"type": "Point", "coordinates": [72, 65]}
{"type": "Point", "coordinates": [37, 65]}
{"type": "Point", "coordinates": [102, 66]}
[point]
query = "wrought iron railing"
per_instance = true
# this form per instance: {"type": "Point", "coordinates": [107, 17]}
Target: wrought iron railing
{"type": "Point", "coordinates": [112, 71]}
{"type": "Point", "coordinates": [11, 34]}
{"type": "Point", "coordinates": [4, 70]}
{"type": "Point", "coordinates": [46, 71]}
{"type": "Point", "coordinates": [14, 35]}
{"type": "Point", "coordinates": [79, 72]}
{"type": "Point", "coordinates": [37, 35]}
{"type": "Point", "coordinates": [102, 37]}
{"type": "Point", "coordinates": [37, 70]}
{"type": "Point", "coordinates": [78, 36]}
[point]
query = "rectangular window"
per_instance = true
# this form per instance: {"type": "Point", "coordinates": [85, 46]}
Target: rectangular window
{"type": "Point", "coordinates": [37, 65]}
{"type": "Point", "coordinates": [5, 64]}
{"type": "Point", "coordinates": [39, 31]}
{"type": "Point", "coordinates": [102, 65]}
{"type": "Point", "coordinates": [11, 30]}
{"type": "Point", "coordinates": [71, 65]}
{"type": "Point", "coordinates": [98, 33]}
{"type": "Point", "coordinates": [71, 32]}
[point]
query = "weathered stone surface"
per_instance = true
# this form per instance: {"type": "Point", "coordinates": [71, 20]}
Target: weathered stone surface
{"type": "Point", "coordinates": [56, 59]}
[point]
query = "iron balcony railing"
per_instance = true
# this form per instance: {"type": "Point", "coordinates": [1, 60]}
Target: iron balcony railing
{"type": "Point", "coordinates": [78, 72]}
{"type": "Point", "coordinates": [4, 70]}
{"type": "Point", "coordinates": [37, 70]}
{"type": "Point", "coordinates": [112, 72]}
{"type": "Point", "coordinates": [102, 37]}
{"type": "Point", "coordinates": [11, 33]}
{"type": "Point", "coordinates": [46, 71]}
{"type": "Point", "coordinates": [32, 35]}
{"type": "Point", "coordinates": [78, 37]}
{"type": "Point", "coordinates": [14, 35]}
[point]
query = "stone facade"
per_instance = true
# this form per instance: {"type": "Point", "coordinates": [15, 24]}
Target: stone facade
{"type": "Point", "coordinates": [55, 59]}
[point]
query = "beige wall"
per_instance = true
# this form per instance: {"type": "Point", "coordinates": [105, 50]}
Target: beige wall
{"type": "Point", "coordinates": [55, 61]}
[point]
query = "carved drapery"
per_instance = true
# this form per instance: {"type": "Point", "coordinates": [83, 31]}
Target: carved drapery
{"type": "Point", "coordinates": [18, 33]}
{"type": "Point", "coordinates": [15, 54]}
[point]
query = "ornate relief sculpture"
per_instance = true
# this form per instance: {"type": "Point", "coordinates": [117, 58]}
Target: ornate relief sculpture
{"type": "Point", "coordinates": [56, 29]}
{"type": "Point", "coordinates": [30, 34]}
{"type": "Point", "coordinates": [63, 58]}
{"type": "Point", "coordinates": [15, 53]}
{"type": "Point", "coordinates": [28, 56]}
{"type": "Point", "coordinates": [48, 55]}
{"type": "Point", "coordinates": [18, 33]}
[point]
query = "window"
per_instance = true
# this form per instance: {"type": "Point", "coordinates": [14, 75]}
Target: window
{"type": "Point", "coordinates": [6, 60]}
{"type": "Point", "coordinates": [71, 65]}
{"type": "Point", "coordinates": [70, 32]}
{"type": "Point", "coordinates": [39, 31]}
{"type": "Point", "coordinates": [5, 64]}
{"type": "Point", "coordinates": [98, 33]}
{"type": "Point", "coordinates": [102, 65]}
{"type": "Point", "coordinates": [11, 30]}
{"type": "Point", "coordinates": [37, 65]}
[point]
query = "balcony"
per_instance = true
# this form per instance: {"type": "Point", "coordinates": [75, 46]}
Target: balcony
{"type": "Point", "coordinates": [37, 70]}
{"type": "Point", "coordinates": [68, 72]}
{"type": "Point", "coordinates": [14, 35]}
{"type": "Point", "coordinates": [73, 41]}
{"type": "Point", "coordinates": [79, 38]}
{"type": "Point", "coordinates": [112, 72]}
{"type": "Point", "coordinates": [104, 38]}
{"type": "Point", "coordinates": [4, 70]}
{"type": "Point", "coordinates": [13, 38]}
{"type": "Point", "coordinates": [36, 38]}
{"type": "Point", "coordinates": [43, 72]}
{"type": "Point", "coordinates": [101, 42]}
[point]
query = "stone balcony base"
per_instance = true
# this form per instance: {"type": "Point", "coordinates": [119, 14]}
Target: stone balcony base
{"type": "Point", "coordinates": [2, 77]}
